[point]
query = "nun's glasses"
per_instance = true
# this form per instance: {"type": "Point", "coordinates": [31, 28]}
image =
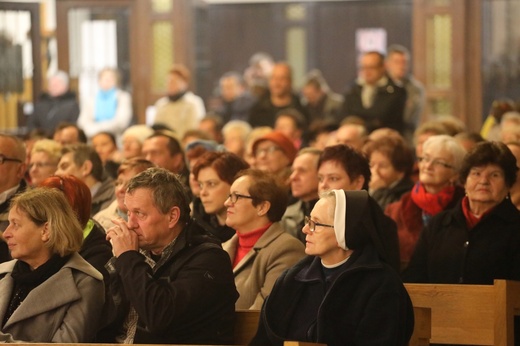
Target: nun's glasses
{"type": "Point", "coordinates": [312, 224]}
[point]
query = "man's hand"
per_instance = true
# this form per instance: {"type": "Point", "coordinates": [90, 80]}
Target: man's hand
{"type": "Point", "coordinates": [122, 238]}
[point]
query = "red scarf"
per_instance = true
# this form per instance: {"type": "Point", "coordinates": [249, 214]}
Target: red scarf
{"type": "Point", "coordinates": [430, 203]}
{"type": "Point", "coordinates": [246, 241]}
{"type": "Point", "coordinates": [471, 219]}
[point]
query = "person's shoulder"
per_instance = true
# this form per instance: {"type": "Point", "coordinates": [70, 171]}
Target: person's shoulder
{"type": "Point", "coordinates": [77, 264]}
{"type": "Point", "coordinates": [7, 267]}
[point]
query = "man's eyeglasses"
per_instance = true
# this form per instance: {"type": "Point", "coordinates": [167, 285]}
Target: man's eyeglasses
{"type": "Point", "coordinates": [6, 159]}
{"type": "Point", "coordinates": [233, 197]}
{"type": "Point", "coordinates": [312, 224]}
{"type": "Point", "coordinates": [268, 150]}
{"type": "Point", "coordinates": [435, 162]}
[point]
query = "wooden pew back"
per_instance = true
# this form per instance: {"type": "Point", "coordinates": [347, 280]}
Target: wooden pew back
{"type": "Point", "coordinates": [246, 325]}
{"type": "Point", "coordinates": [470, 314]}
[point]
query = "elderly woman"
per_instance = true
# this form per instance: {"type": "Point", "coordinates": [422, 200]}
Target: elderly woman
{"type": "Point", "coordinates": [95, 249]}
{"type": "Point", "coordinates": [49, 293]}
{"type": "Point", "coordinates": [45, 156]}
{"type": "Point", "coordinates": [260, 250]}
{"type": "Point", "coordinates": [478, 240]}
{"type": "Point", "coordinates": [126, 171]}
{"type": "Point", "coordinates": [274, 153]}
{"type": "Point", "coordinates": [436, 190]}
{"type": "Point", "coordinates": [344, 292]}
{"type": "Point", "coordinates": [133, 139]}
{"type": "Point", "coordinates": [215, 172]}
{"type": "Point", "coordinates": [391, 164]}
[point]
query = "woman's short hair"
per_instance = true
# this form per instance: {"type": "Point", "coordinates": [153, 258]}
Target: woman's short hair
{"type": "Point", "coordinates": [226, 164]}
{"type": "Point", "coordinates": [240, 126]}
{"type": "Point", "coordinates": [167, 191]}
{"type": "Point", "coordinates": [48, 146]}
{"type": "Point", "coordinates": [77, 193]}
{"type": "Point", "coordinates": [487, 153]}
{"type": "Point", "coordinates": [450, 144]}
{"type": "Point", "coordinates": [46, 205]}
{"type": "Point", "coordinates": [353, 162]}
{"type": "Point", "coordinates": [264, 187]}
{"type": "Point", "coordinates": [396, 150]}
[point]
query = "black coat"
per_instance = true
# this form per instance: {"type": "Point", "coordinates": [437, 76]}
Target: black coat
{"type": "Point", "coordinates": [210, 222]}
{"type": "Point", "coordinates": [96, 249]}
{"type": "Point", "coordinates": [263, 112]}
{"type": "Point", "coordinates": [189, 299]}
{"type": "Point", "coordinates": [386, 111]}
{"type": "Point", "coordinates": [447, 252]}
{"type": "Point", "coordinates": [364, 304]}
{"type": "Point", "coordinates": [50, 111]}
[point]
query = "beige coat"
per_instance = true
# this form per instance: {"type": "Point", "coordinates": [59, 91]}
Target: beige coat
{"type": "Point", "coordinates": [66, 308]}
{"type": "Point", "coordinates": [257, 272]}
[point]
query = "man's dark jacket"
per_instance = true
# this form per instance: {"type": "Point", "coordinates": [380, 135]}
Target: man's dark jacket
{"type": "Point", "coordinates": [50, 111]}
{"type": "Point", "coordinates": [387, 109]}
{"type": "Point", "coordinates": [189, 299]}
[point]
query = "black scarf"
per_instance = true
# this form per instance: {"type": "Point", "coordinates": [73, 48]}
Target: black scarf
{"type": "Point", "coordinates": [25, 280]}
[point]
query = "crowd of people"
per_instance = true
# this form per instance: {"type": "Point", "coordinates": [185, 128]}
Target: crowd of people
{"type": "Point", "coordinates": [312, 207]}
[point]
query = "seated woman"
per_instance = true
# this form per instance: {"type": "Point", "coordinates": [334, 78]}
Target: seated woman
{"type": "Point", "coordinates": [436, 190]}
{"type": "Point", "coordinates": [478, 240]}
{"type": "Point", "coordinates": [95, 248]}
{"type": "Point", "coordinates": [344, 292]}
{"type": "Point", "coordinates": [44, 159]}
{"type": "Point", "coordinates": [391, 163]}
{"type": "Point", "coordinates": [49, 293]}
{"type": "Point", "coordinates": [214, 172]}
{"type": "Point", "coordinates": [260, 250]}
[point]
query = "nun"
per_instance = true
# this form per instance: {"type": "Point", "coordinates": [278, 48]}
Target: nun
{"type": "Point", "coordinates": [344, 292]}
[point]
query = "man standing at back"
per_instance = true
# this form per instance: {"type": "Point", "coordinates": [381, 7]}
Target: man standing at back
{"type": "Point", "coordinates": [172, 279]}
{"type": "Point", "coordinates": [374, 97]}
{"type": "Point", "coordinates": [398, 68]}
{"type": "Point", "coordinates": [280, 96]}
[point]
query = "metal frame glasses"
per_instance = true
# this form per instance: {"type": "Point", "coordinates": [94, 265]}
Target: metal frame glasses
{"type": "Point", "coordinates": [234, 197]}
{"type": "Point", "coordinates": [312, 224]}
{"type": "Point", "coordinates": [435, 162]}
{"type": "Point", "coordinates": [3, 159]}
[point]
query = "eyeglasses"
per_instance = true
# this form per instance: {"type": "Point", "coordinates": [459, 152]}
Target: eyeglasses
{"type": "Point", "coordinates": [268, 150]}
{"type": "Point", "coordinates": [6, 159]}
{"type": "Point", "coordinates": [233, 197]}
{"type": "Point", "coordinates": [312, 224]}
{"type": "Point", "coordinates": [435, 162]}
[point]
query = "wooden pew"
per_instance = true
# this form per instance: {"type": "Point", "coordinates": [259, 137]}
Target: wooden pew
{"type": "Point", "coordinates": [470, 314]}
{"type": "Point", "coordinates": [422, 330]}
{"type": "Point", "coordinates": [246, 324]}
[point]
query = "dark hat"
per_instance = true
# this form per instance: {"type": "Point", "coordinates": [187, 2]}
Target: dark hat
{"type": "Point", "coordinates": [281, 140]}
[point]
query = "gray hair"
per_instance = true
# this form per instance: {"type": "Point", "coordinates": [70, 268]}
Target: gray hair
{"type": "Point", "coordinates": [167, 191]}
{"type": "Point", "coordinates": [450, 144]}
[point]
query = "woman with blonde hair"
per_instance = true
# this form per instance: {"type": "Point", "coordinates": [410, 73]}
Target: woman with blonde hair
{"type": "Point", "coordinates": [49, 292]}
{"type": "Point", "coordinates": [45, 156]}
